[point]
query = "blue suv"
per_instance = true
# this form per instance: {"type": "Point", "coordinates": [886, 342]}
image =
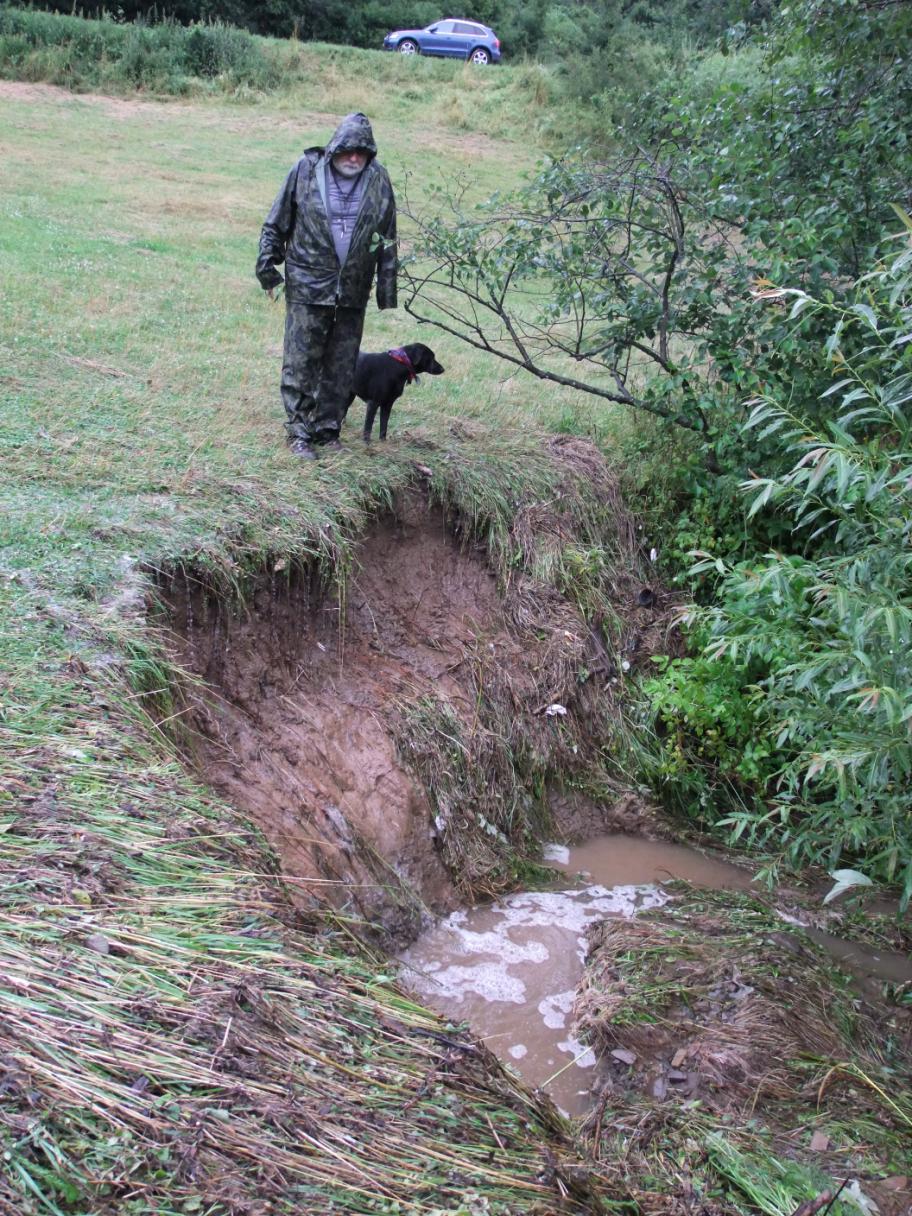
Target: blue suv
{"type": "Point", "coordinates": [453, 37]}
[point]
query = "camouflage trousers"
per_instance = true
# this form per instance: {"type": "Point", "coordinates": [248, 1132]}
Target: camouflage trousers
{"type": "Point", "coordinates": [318, 368]}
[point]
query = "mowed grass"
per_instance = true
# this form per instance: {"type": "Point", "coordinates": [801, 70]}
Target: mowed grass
{"type": "Point", "coordinates": [139, 356]}
{"type": "Point", "coordinates": [172, 1040]}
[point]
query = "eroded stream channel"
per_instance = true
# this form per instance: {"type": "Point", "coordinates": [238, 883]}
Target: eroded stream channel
{"type": "Point", "coordinates": [512, 970]}
{"type": "Point", "coordinates": [369, 733]}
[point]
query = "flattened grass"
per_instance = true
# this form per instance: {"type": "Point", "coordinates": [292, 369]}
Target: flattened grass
{"type": "Point", "coordinates": [167, 1034]}
{"type": "Point", "coordinates": [714, 988]}
{"type": "Point", "coordinates": [173, 1038]}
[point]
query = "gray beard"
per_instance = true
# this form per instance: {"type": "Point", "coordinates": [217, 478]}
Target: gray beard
{"type": "Point", "coordinates": [346, 170]}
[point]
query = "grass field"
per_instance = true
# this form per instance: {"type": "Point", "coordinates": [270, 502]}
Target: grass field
{"type": "Point", "coordinates": [146, 950]}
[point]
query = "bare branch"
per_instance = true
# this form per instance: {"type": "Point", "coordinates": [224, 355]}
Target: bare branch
{"type": "Point", "coordinates": [583, 264]}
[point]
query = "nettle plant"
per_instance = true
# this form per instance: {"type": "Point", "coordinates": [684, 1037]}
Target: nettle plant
{"type": "Point", "coordinates": [829, 624]}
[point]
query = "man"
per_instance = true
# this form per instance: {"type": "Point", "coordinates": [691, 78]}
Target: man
{"type": "Point", "coordinates": [333, 224]}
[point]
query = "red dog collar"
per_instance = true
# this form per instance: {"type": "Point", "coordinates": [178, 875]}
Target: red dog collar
{"type": "Point", "coordinates": [401, 357]}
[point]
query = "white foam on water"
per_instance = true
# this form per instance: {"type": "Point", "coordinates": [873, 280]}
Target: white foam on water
{"type": "Point", "coordinates": [584, 1056]}
{"type": "Point", "coordinates": [511, 970]}
{"type": "Point", "coordinates": [482, 945]}
{"type": "Point", "coordinates": [556, 852]}
{"type": "Point", "coordinates": [575, 910]}
{"type": "Point", "coordinates": [456, 982]}
{"type": "Point", "coordinates": [554, 1009]}
{"type": "Point", "coordinates": [500, 945]}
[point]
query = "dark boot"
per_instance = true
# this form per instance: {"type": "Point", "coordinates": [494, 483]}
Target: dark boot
{"type": "Point", "coordinates": [301, 448]}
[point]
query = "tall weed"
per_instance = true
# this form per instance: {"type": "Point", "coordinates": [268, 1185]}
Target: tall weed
{"type": "Point", "coordinates": [166, 57]}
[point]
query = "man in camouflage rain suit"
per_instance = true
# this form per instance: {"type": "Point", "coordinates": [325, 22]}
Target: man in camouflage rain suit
{"type": "Point", "coordinates": [333, 223]}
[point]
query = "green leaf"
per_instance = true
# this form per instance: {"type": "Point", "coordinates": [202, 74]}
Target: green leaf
{"type": "Point", "coordinates": [834, 388]}
{"type": "Point", "coordinates": [865, 310]}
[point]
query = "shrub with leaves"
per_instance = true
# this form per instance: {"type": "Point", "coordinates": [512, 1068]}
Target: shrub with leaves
{"type": "Point", "coordinates": [805, 149]}
{"type": "Point", "coordinates": [831, 620]}
{"type": "Point", "coordinates": [709, 717]}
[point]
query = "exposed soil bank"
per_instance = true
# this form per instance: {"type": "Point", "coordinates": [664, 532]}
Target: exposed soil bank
{"type": "Point", "coordinates": [319, 694]}
{"type": "Point", "coordinates": [391, 737]}
{"type": "Point", "coordinates": [300, 735]}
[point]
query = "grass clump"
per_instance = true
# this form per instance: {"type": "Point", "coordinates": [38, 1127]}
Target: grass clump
{"type": "Point", "coordinates": [769, 1184]}
{"type": "Point", "coordinates": [752, 1043]}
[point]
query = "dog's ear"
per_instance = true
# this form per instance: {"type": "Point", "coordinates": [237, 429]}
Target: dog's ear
{"type": "Point", "coordinates": [423, 360]}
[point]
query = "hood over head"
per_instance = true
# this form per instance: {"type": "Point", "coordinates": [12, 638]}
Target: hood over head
{"type": "Point", "coordinates": [354, 131]}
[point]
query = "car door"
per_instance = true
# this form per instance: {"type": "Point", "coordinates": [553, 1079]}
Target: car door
{"type": "Point", "coordinates": [438, 38]}
{"type": "Point", "coordinates": [466, 37]}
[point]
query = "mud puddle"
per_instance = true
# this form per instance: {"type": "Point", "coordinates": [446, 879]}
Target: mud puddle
{"type": "Point", "coordinates": [616, 859]}
{"type": "Point", "coordinates": [511, 969]}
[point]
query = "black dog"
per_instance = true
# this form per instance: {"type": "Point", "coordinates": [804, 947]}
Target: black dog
{"type": "Point", "coordinates": [380, 380]}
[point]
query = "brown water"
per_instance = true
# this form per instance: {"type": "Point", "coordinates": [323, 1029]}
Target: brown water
{"type": "Point", "coordinates": [614, 860]}
{"type": "Point", "coordinates": [511, 969]}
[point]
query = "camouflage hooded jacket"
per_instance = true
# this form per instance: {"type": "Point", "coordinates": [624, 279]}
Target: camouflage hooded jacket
{"type": "Point", "coordinates": [297, 230]}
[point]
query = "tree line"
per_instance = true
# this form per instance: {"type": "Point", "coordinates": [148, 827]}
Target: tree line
{"type": "Point", "coordinates": [550, 29]}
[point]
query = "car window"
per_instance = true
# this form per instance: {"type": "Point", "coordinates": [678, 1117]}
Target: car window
{"type": "Point", "coordinates": [442, 27]}
{"type": "Point", "coordinates": [463, 27]}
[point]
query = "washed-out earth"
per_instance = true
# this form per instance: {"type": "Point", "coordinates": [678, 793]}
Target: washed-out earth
{"type": "Point", "coordinates": [320, 890]}
{"type": "Point", "coordinates": [303, 729]}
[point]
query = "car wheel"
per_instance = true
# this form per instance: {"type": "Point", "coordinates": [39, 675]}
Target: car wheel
{"type": "Point", "coordinates": [408, 47]}
{"type": "Point", "coordinates": [479, 55]}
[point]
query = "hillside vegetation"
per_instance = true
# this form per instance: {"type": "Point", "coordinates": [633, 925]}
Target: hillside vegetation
{"type": "Point", "coordinates": [713, 314]}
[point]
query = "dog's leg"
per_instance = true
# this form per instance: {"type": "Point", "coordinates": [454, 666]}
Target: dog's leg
{"type": "Point", "coordinates": [369, 415]}
{"type": "Point", "coordinates": [385, 412]}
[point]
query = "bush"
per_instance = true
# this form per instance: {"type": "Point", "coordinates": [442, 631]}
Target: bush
{"type": "Point", "coordinates": [712, 725]}
{"type": "Point", "coordinates": [213, 50]}
{"type": "Point", "coordinates": [83, 54]}
{"type": "Point", "coordinates": [805, 149]}
{"type": "Point", "coordinates": [828, 623]}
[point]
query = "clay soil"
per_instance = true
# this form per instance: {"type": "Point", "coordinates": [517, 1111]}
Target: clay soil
{"type": "Point", "coordinates": [297, 724]}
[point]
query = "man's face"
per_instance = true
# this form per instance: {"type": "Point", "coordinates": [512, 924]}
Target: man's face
{"type": "Point", "coordinates": [350, 163]}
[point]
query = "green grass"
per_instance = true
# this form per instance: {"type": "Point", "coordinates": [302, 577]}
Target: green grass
{"type": "Point", "coordinates": [520, 101]}
{"type": "Point", "coordinates": [177, 1040]}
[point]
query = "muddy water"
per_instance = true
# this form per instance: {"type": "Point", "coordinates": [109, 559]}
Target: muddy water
{"type": "Point", "coordinates": [511, 969]}
{"type": "Point", "coordinates": [612, 860]}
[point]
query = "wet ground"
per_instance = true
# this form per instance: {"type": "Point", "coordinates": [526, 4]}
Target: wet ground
{"type": "Point", "coordinates": [511, 969]}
